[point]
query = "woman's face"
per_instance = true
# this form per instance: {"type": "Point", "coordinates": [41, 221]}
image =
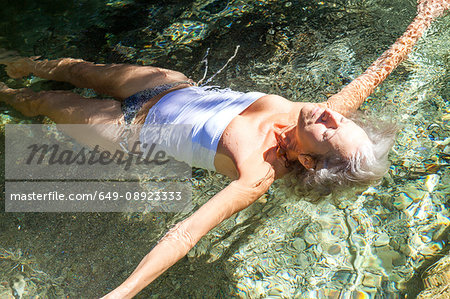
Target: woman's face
{"type": "Point", "coordinates": [321, 131]}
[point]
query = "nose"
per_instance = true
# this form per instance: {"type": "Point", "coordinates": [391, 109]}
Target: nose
{"type": "Point", "coordinates": [330, 119]}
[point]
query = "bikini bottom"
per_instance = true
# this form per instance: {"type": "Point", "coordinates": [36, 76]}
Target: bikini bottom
{"type": "Point", "coordinates": [132, 104]}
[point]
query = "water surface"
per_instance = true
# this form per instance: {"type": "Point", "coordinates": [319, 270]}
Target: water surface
{"type": "Point", "coordinates": [361, 242]}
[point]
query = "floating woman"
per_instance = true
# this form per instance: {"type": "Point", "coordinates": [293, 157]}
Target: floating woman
{"type": "Point", "coordinates": [279, 135]}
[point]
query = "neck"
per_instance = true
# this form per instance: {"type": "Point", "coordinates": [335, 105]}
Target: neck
{"type": "Point", "coordinates": [287, 142]}
{"type": "Point", "coordinates": [286, 132]}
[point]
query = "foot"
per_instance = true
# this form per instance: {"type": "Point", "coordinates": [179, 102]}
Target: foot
{"type": "Point", "coordinates": [5, 92]}
{"type": "Point", "coordinates": [18, 67]}
{"type": "Point", "coordinates": [24, 100]}
{"type": "Point", "coordinates": [433, 8]}
{"type": "Point", "coordinates": [7, 54]}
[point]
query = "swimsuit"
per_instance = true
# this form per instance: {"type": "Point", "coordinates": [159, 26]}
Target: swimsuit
{"type": "Point", "coordinates": [132, 104]}
{"type": "Point", "coordinates": [207, 110]}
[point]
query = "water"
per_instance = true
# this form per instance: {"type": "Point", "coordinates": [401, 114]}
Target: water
{"type": "Point", "coordinates": [361, 242]}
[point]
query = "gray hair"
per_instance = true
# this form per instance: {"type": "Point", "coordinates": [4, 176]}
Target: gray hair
{"type": "Point", "coordinates": [367, 165]}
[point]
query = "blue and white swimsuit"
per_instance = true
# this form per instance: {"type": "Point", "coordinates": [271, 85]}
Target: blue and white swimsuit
{"type": "Point", "coordinates": [208, 109]}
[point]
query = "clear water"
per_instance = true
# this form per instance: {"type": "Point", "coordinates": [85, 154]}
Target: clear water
{"type": "Point", "coordinates": [373, 242]}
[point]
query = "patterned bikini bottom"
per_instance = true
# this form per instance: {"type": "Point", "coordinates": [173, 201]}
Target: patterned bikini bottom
{"type": "Point", "coordinates": [132, 104]}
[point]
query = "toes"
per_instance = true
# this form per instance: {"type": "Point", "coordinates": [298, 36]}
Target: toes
{"type": "Point", "coordinates": [13, 72]}
{"type": "Point", "coordinates": [8, 56]}
{"type": "Point", "coordinates": [17, 68]}
{"type": "Point", "coordinates": [5, 93]}
{"type": "Point", "coordinates": [22, 100]}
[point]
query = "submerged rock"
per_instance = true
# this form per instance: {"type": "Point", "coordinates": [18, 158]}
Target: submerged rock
{"type": "Point", "coordinates": [431, 181]}
{"type": "Point", "coordinates": [382, 240]}
{"type": "Point", "coordinates": [18, 285]}
{"type": "Point", "coordinates": [437, 280]}
{"type": "Point", "coordinates": [372, 280]}
{"type": "Point", "coordinates": [402, 201]}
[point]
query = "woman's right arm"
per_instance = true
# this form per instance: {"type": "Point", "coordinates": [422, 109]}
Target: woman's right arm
{"type": "Point", "coordinates": [353, 95]}
{"type": "Point", "coordinates": [181, 238]}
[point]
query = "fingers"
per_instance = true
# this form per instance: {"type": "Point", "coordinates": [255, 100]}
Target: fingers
{"type": "Point", "coordinates": [433, 8]}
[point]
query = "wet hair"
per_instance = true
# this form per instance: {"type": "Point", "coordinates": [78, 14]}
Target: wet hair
{"type": "Point", "coordinates": [367, 165]}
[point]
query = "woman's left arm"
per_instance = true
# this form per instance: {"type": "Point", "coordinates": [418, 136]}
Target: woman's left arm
{"type": "Point", "coordinates": [181, 238]}
{"type": "Point", "coordinates": [354, 94]}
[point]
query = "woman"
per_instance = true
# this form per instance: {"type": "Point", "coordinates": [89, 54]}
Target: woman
{"type": "Point", "coordinates": [278, 133]}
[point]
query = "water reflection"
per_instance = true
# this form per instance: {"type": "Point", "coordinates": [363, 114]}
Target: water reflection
{"type": "Point", "coordinates": [360, 244]}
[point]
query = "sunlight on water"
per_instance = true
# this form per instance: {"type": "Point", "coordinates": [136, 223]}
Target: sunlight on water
{"type": "Point", "coordinates": [355, 244]}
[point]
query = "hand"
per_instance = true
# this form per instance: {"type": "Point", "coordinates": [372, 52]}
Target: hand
{"type": "Point", "coordinates": [432, 8]}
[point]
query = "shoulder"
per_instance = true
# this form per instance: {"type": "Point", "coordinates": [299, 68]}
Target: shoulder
{"type": "Point", "coordinates": [273, 100]}
{"type": "Point", "coordinates": [270, 102]}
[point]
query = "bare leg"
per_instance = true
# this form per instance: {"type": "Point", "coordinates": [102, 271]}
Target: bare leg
{"type": "Point", "coordinates": [117, 80]}
{"type": "Point", "coordinates": [63, 107]}
{"type": "Point", "coordinates": [69, 108]}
